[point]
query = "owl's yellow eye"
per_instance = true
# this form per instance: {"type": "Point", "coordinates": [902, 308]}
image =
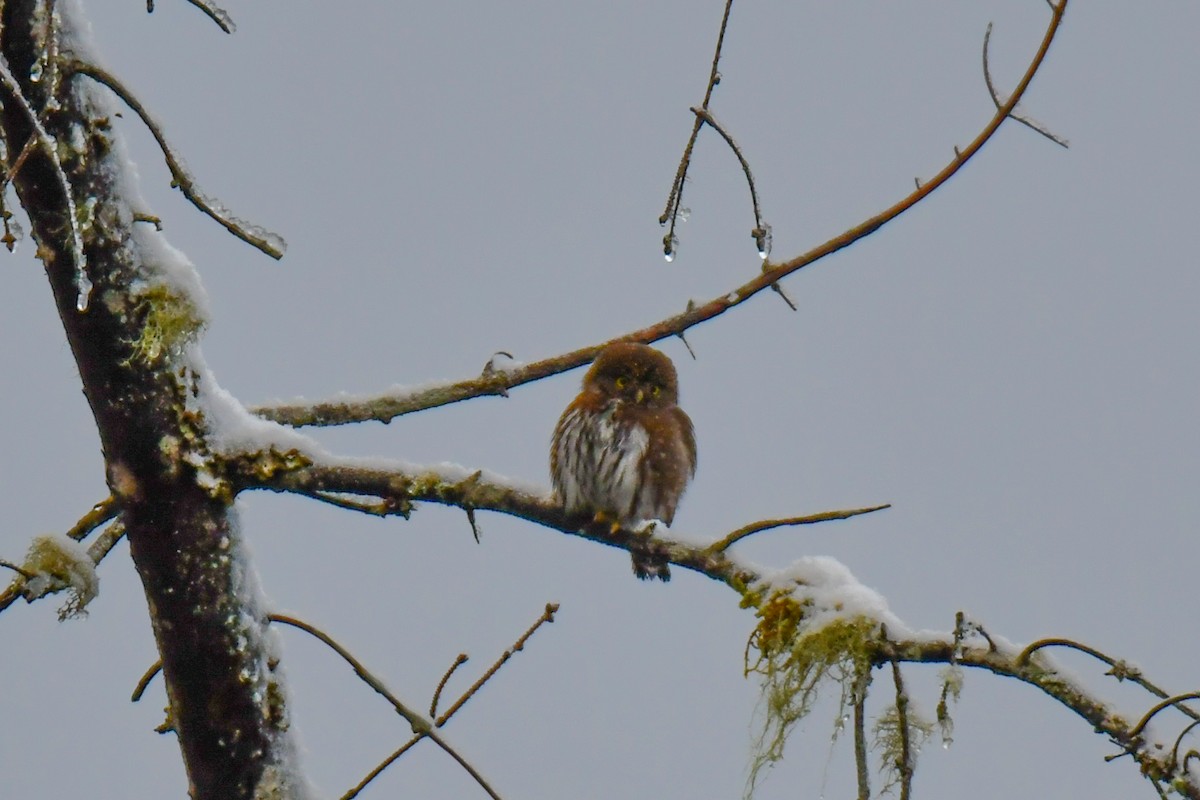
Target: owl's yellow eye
{"type": "Point", "coordinates": [655, 390]}
{"type": "Point", "coordinates": [622, 382]}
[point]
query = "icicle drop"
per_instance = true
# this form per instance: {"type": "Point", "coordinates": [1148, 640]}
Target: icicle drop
{"type": "Point", "coordinates": [670, 247]}
{"type": "Point", "coordinates": [84, 284]}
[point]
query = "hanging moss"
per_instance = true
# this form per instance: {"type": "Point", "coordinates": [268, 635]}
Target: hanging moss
{"type": "Point", "coordinates": [794, 657]}
{"type": "Point", "coordinates": [890, 736]}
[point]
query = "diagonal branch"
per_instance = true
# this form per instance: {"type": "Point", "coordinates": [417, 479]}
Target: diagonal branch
{"type": "Point", "coordinates": [256, 236]}
{"type": "Point", "coordinates": [771, 524]}
{"type": "Point", "coordinates": [1155, 762]}
{"type": "Point", "coordinates": [998, 101]}
{"type": "Point", "coordinates": [386, 407]}
{"type": "Point", "coordinates": [421, 726]}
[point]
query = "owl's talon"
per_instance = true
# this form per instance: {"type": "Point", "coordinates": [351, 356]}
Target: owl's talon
{"type": "Point", "coordinates": [602, 518]}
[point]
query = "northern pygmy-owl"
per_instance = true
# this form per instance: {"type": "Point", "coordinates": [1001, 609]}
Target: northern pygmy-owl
{"type": "Point", "coordinates": [624, 450]}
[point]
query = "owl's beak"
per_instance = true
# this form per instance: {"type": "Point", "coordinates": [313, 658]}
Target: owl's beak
{"type": "Point", "coordinates": [641, 394]}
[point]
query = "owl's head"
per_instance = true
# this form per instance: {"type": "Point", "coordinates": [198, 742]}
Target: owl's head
{"type": "Point", "coordinates": [635, 373]}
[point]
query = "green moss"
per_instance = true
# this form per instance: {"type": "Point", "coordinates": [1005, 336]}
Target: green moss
{"type": "Point", "coordinates": [793, 660]}
{"type": "Point", "coordinates": [58, 564]}
{"type": "Point", "coordinates": [890, 733]}
{"type": "Point", "coordinates": [169, 320]}
{"type": "Point", "coordinates": [952, 683]}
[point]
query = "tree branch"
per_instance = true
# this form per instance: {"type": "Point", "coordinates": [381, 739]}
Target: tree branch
{"type": "Point", "coordinates": [388, 406]}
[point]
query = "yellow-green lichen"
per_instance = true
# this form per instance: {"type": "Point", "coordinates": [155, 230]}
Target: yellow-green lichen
{"type": "Point", "coordinates": [892, 730]}
{"type": "Point", "coordinates": [952, 683]}
{"type": "Point", "coordinates": [793, 658]}
{"type": "Point", "coordinates": [169, 320]}
{"type": "Point", "coordinates": [57, 563]}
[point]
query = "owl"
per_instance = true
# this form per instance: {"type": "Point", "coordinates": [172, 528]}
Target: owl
{"type": "Point", "coordinates": [624, 450]}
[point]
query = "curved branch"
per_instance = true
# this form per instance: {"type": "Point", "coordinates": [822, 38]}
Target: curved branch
{"type": "Point", "coordinates": [997, 101]}
{"type": "Point", "coordinates": [256, 236]}
{"type": "Point", "coordinates": [387, 407]}
{"type": "Point", "coordinates": [1155, 763]}
{"type": "Point", "coordinates": [216, 14]}
{"type": "Point", "coordinates": [1120, 670]}
{"type": "Point", "coordinates": [761, 232]}
{"type": "Point", "coordinates": [771, 524]}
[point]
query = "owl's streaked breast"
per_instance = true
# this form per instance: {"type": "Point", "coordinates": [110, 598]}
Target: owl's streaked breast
{"type": "Point", "coordinates": [597, 463]}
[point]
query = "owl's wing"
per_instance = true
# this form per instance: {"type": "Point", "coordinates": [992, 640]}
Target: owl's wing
{"type": "Point", "coordinates": [688, 434]}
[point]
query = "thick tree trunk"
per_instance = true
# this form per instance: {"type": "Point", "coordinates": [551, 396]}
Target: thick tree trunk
{"type": "Point", "coordinates": [226, 705]}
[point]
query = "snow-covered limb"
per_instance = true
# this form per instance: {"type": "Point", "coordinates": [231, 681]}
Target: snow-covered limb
{"type": "Point", "coordinates": [386, 488]}
{"type": "Point", "coordinates": [1159, 760]}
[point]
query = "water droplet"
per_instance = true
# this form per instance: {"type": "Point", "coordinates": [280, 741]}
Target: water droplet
{"type": "Point", "coordinates": [762, 239]}
{"type": "Point", "coordinates": [683, 214]}
{"type": "Point", "coordinates": [35, 72]}
{"type": "Point", "coordinates": [670, 247]}
{"type": "Point", "coordinates": [946, 743]}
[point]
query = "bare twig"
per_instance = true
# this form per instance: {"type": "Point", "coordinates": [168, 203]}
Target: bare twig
{"type": "Point", "coordinates": [547, 616]}
{"type": "Point", "coordinates": [905, 766]}
{"type": "Point", "coordinates": [437, 693]}
{"type": "Point", "coordinates": [216, 14]}
{"type": "Point", "coordinates": [860, 735]}
{"type": "Point", "coordinates": [144, 682]}
{"type": "Point", "coordinates": [387, 407]}
{"type": "Point", "coordinates": [380, 767]}
{"type": "Point", "coordinates": [1159, 706]}
{"type": "Point", "coordinates": [23, 573]}
{"type": "Point", "coordinates": [270, 243]}
{"type": "Point", "coordinates": [761, 232]}
{"type": "Point", "coordinates": [99, 514]}
{"type": "Point", "coordinates": [378, 508]}
{"type": "Point", "coordinates": [420, 725]}
{"type": "Point", "coordinates": [210, 9]}
{"type": "Point", "coordinates": [769, 524]}
{"type": "Point", "coordinates": [675, 197]}
{"type": "Point", "coordinates": [106, 541]}
{"type": "Point", "coordinates": [26, 149]}
{"type": "Point", "coordinates": [991, 87]}
{"type": "Point", "coordinates": [1120, 670]}
{"type": "Point", "coordinates": [1179, 740]}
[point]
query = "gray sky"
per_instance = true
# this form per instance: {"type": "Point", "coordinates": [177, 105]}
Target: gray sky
{"type": "Point", "coordinates": [1011, 365]}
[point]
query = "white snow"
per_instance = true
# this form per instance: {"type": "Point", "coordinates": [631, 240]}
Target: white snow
{"type": "Point", "coordinates": [833, 593]}
{"type": "Point", "coordinates": [59, 562]}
